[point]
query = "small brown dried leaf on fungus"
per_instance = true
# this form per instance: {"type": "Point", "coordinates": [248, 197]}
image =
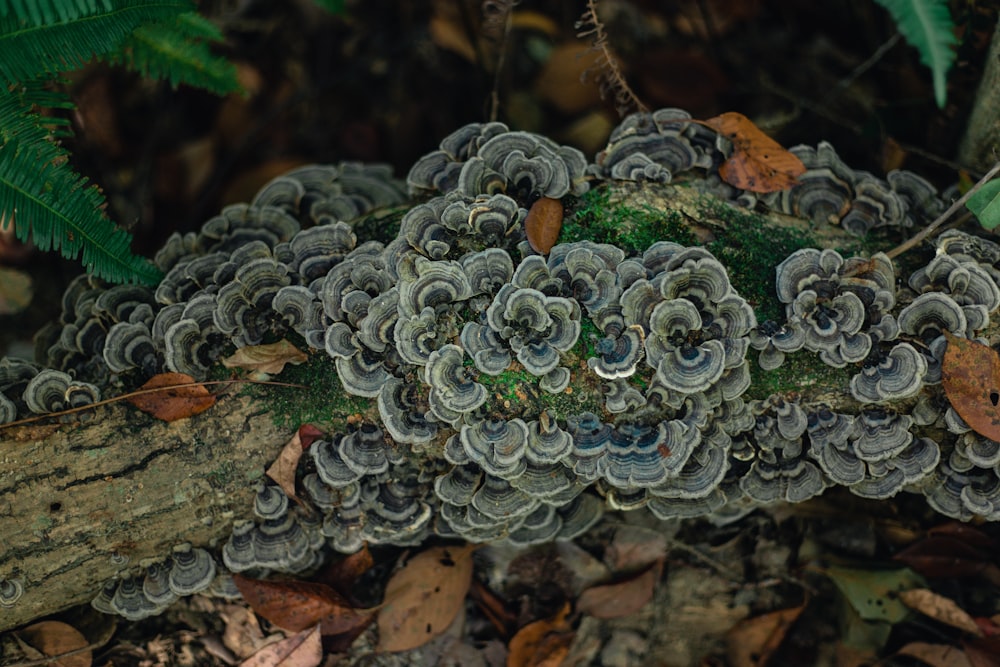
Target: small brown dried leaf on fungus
{"type": "Point", "coordinates": [758, 162]}
{"type": "Point", "coordinates": [970, 375]}
{"type": "Point", "coordinates": [543, 224]}
{"type": "Point", "coordinates": [267, 359]}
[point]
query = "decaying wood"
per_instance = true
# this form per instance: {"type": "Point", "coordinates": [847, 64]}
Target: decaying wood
{"type": "Point", "coordinates": [83, 502]}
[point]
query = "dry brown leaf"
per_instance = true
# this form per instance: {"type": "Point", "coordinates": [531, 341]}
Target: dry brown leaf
{"type": "Point", "coordinates": [423, 598]}
{"type": "Point", "coordinates": [940, 608]}
{"type": "Point", "coordinates": [342, 575]}
{"type": "Point", "coordinates": [303, 649]}
{"type": "Point", "coordinates": [173, 402]}
{"type": "Point", "coordinates": [242, 634]}
{"type": "Point", "coordinates": [758, 162]}
{"type": "Point", "coordinates": [283, 469]}
{"type": "Point", "coordinates": [621, 598]}
{"type": "Point", "coordinates": [936, 655]}
{"type": "Point", "coordinates": [52, 638]}
{"type": "Point", "coordinates": [298, 605]}
{"type": "Point", "coordinates": [752, 641]}
{"type": "Point", "coordinates": [970, 375]}
{"type": "Point", "coordinates": [543, 643]}
{"type": "Point", "coordinates": [267, 359]}
{"type": "Point", "coordinates": [308, 434]}
{"type": "Point", "coordinates": [635, 548]}
{"type": "Point", "coordinates": [543, 224]}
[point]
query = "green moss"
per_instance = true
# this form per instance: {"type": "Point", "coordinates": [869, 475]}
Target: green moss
{"type": "Point", "coordinates": [750, 248]}
{"type": "Point", "coordinates": [516, 392]}
{"type": "Point", "coordinates": [589, 335]}
{"type": "Point", "coordinates": [379, 225]}
{"type": "Point", "coordinates": [798, 374]}
{"type": "Point", "coordinates": [321, 400]}
{"type": "Point", "coordinates": [593, 217]}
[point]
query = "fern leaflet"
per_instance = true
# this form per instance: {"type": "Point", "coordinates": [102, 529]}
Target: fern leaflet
{"type": "Point", "coordinates": [175, 50]}
{"type": "Point", "coordinates": [40, 12]}
{"type": "Point", "coordinates": [53, 205]}
{"type": "Point", "coordinates": [927, 26]}
{"type": "Point", "coordinates": [33, 49]}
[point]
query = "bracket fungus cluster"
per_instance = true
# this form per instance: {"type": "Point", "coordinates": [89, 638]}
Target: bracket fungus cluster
{"type": "Point", "coordinates": [515, 396]}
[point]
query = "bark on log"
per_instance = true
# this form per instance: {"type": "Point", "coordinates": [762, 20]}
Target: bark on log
{"type": "Point", "coordinates": [76, 500]}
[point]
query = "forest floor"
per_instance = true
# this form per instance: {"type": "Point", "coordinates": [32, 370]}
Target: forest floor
{"type": "Point", "coordinates": [385, 81]}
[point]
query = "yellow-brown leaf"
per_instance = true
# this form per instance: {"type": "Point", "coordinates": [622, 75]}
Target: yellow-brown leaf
{"type": "Point", "coordinates": [177, 396]}
{"type": "Point", "coordinates": [758, 162]}
{"type": "Point", "coordinates": [970, 375]}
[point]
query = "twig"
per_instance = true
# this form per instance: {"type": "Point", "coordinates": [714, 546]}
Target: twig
{"type": "Point", "coordinates": [941, 219]}
{"type": "Point", "coordinates": [501, 12]}
{"type": "Point", "coordinates": [140, 392]}
{"type": "Point", "coordinates": [612, 80]}
{"type": "Point", "coordinates": [862, 68]}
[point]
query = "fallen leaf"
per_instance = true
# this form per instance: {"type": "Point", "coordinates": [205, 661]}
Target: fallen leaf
{"type": "Point", "coordinates": [635, 548]}
{"type": "Point", "coordinates": [970, 375]}
{"type": "Point", "coordinates": [940, 608]}
{"type": "Point", "coordinates": [242, 634]}
{"type": "Point", "coordinates": [752, 641]}
{"type": "Point", "coordinates": [493, 608]}
{"type": "Point", "coordinates": [53, 638]}
{"type": "Point", "coordinates": [873, 593]}
{"type": "Point", "coordinates": [758, 162]}
{"type": "Point", "coordinates": [423, 598]}
{"type": "Point", "coordinates": [543, 643]}
{"type": "Point", "coordinates": [298, 605]}
{"type": "Point", "coordinates": [543, 224]}
{"type": "Point", "coordinates": [283, 469]}
{"type": "Point", "coordinates": [621, 598]}
{"type": "Point", "coordinates": [303, 649]}
{"type": "Point", "coordinates": [936, 655]}
{"type": "Point", "coordinates": [308, 434]}
{"type": "Point", "coordinates": [267, 359]}
{"type": "Point", "coordinates": [943, 556]}
{"type": "Point", "coordinates": [982, 651]}
{"type": "Point", "coordinates": [342, 575]}
{"type": "Point", "coordinates": [173, 402]}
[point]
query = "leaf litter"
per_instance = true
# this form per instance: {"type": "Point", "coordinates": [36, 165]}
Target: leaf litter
{"type": "Point", "coordinates": [424, 596]}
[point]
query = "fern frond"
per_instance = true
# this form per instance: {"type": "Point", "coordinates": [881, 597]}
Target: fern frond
{"type": "Point", "coordinates": [176, 50]}
{"type": "Point", "coordinates": [49, 202]}
{"type": "Point", "coordinates": [56, 208]}
{"type": "Point", "coordinates": [18, 117]}
{"type": "Point", "coordinates": [927, 26]}
{"type": "Point", "coordinates": [32, 50]}
{"type": "Point", "coordinates": [40, 12]}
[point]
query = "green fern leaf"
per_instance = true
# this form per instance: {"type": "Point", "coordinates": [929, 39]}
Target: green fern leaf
{"type": "Point", "coordinates": [927, 26]}
{"type": "Point", "coordinates": [53, 205]}
{"type": "Point", "coordinates": [18, 121]}
{"type": "Point", "coordinates": [41, 12]}
{"type": "Point", "coordinates": [31, 50]}
{"type": "Point", "coordinates": [174, 50]}
{"type": "Point", "coordinates": [56, 208]}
